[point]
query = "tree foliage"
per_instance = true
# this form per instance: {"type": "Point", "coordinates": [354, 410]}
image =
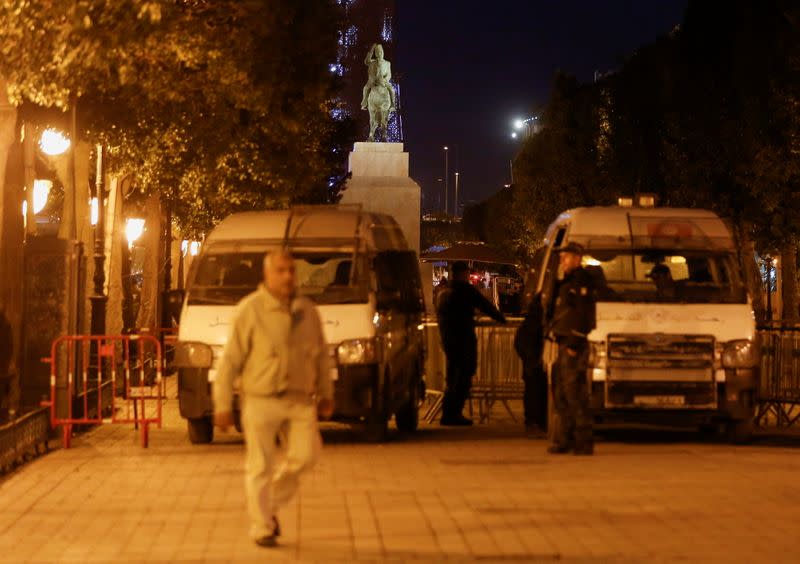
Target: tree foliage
{"type": "Point", "coordinates": [219, 105]}
{"type": "Point", "coordinates": [706, 117]}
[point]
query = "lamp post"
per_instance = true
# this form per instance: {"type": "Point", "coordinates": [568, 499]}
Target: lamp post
{"type": "Point", "coordinates": [446, 178]}
{"type": "Point", "coordinates": [98, 298]}
{"type": "Point", "coordinates": [455, 202]}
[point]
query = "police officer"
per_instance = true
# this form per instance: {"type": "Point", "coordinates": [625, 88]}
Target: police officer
{"type": "Point", "coordinates": [573, 317]}
{"type": "Point", "coordinates": [456, 314]}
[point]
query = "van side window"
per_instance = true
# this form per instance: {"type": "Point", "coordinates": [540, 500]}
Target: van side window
{"type": "Point", "coordinates": [551, 271]}
{"type": "Point", "coordinates": [398, 272]}
{"type": "Point", "coordinates": [559, 238]}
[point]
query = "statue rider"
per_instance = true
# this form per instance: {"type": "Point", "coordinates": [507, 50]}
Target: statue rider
{"type": "Point", "coordinates": [379, 72]}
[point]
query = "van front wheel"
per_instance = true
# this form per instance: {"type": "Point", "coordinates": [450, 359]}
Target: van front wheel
{"type": "Point", "coordinates": [201, 430]}
{"type": "Point", "coordinates": [407, 417]}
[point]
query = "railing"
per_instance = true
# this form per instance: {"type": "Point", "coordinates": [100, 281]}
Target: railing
{"type": "Point", "coordinates": [498, 378]}
{"type": "Point", "coordinates": [24, 438]}
{"type": "Point", "coordinates": [779, 394]}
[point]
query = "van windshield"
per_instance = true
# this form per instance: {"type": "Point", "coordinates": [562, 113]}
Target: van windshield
{"type": "Point", "coordinates": [325, 277]}
{"type": "Point", "coordinates": [665, 276]}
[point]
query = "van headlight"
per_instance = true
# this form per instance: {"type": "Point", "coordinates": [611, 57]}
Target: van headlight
{"type": "Point", "coordinates": [193, 355]}
{"type": "Point", "coordinates": [739, 354]}
{"type": "Point", "coordinates": [356, 351]}
{"type": "Point", "coordinates": [597, 354]}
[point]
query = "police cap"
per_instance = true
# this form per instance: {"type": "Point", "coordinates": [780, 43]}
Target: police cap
{"type": "Point", "coordinates": [572, 247]}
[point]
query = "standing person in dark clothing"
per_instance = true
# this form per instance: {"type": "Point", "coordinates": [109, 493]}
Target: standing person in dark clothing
{"type": "Point", "coordinates": [456, 313]}
{"type": "Point", "coordinates": [529, 342]}
{"type": "Point", "coordinates": [572, 319]}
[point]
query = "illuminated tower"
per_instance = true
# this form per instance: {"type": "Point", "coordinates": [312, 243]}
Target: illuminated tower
{"type": "Point", "coordinates": [365, 22]}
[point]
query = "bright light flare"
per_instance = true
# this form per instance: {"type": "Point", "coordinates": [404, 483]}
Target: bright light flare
{"type": "Point", "coordinates": [53, 142]}
{"type": "Point", "coordinates": [41, 190]}
{"type": "Point", "coordinates": [591, 261]}
{"type": "Point", "coordinates": [134, 228]}
{"type": "Point", "coordinates": [518, 124]}
{"type": "Point", "coordinates": [190, 247]}
{"type": "Point", "coordinates": [513, 134]}
{"type": "Point", "coordinates": [94, 211]}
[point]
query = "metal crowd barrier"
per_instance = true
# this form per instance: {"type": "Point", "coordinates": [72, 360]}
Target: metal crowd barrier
{"type": "Point", "coordinates": [497, 379]}
{"type": "Point", "coordinates": [499, 374]}
{"type": "Point", "coordinates": [779, 394]}
{"type": "Point", "coordinates": [86, 369]}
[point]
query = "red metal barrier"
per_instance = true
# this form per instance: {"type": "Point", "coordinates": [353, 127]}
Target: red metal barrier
{"type": "Point", "coordinates": [85, 365]}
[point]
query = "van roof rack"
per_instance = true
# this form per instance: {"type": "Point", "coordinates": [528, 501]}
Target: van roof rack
{"type": "Point", "coordinates": [356, 207]}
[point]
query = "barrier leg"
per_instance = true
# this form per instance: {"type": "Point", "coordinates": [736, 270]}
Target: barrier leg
{"type": "Point", "coordinates": [145, 434]}
{"type": "Point", "coordinates": [66, 431]}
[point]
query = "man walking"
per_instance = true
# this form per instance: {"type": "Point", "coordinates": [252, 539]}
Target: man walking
{"type": "Point", "coordinates": [276, 347]}
{"type": "Point", "coordinates": [572, 319]}
{"type": "Point", "coordinates": [456, 313]}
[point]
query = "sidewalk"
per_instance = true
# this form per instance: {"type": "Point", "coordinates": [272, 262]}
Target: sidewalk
{"type": "Point", "coordinates": [447, 494]}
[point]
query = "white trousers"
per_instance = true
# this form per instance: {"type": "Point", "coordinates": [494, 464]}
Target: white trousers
{"type": "Point", "coordinates": [270, 484]}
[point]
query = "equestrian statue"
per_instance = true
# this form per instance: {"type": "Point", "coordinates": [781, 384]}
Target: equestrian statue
{"type": "Point", "coordinates": [379, 97]}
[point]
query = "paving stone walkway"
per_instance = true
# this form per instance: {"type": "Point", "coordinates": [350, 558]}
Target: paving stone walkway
{"type": "Point", "coordinates": [482, 494]}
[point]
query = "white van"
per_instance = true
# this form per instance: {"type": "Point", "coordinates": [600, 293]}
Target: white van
{"type": "Point", "coordinates": [675, 336]}
{"type": "Point", "coordinates": [357, 268]}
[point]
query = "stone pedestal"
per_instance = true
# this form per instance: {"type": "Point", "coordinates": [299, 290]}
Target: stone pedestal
{"type": "Point", "coordinates": [380, 183]}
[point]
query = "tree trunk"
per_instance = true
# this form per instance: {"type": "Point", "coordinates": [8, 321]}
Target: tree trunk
{"type": "Point", "coordinates": [789, 282]}
{"type": "Point", "coordinates": [11, 257]}
{"type": "Point", "coordinates": [746, 252]}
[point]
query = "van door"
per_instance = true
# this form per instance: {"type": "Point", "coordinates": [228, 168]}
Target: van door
{"type": "Point", "coordinates": [550, 267]}
{"type": "Point", "coordinates": [400, 306]}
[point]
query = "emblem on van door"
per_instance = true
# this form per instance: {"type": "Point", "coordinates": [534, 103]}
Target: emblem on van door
{"type": "Point", "coordinates": [217, 323]}
{"type": "Point", "coordinates": [334, 322]}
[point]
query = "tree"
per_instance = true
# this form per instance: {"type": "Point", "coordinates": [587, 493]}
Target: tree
{"type": "Point", "coordinates": [216, 105]}
{"type": "Point", "coordinates": [706, 117]}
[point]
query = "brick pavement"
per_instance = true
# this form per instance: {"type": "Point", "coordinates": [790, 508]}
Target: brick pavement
{"type": "Point", "coordinates": [483, 494]}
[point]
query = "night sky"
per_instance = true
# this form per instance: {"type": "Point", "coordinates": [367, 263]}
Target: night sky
{"type": "Point", "coordinates": [469, 67]}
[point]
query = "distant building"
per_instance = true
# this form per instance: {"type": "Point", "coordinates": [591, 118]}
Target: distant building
{"type": "Point", "coordinates": [365, 22]}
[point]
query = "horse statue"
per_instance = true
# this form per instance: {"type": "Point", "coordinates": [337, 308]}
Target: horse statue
{"type": "Point", "coordinates": [380, 106]}
{"type": "Point", "coordinates": [379, 97]}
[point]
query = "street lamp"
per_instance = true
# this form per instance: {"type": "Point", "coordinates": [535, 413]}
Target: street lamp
{"type": "Point", "coordinates": [455, 202]}
{"type": "Point", "coordinates": [446, 178]}
{"type": "Point", "coordinates": [531, 125]}
{"type": "Point", "coordinates": [53, 142]}
{"type": "Point", "coordinates": [134, 228]}
{"type": "Point", "coordinates": [98, 299]}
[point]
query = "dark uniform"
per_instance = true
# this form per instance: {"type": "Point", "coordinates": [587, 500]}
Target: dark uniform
{"type": "Point", "coordinates": [572, 319]}
{"type": "Point", "coordinates": [456, 313]}
{"type": "Point", "coordinates": [529, 342]}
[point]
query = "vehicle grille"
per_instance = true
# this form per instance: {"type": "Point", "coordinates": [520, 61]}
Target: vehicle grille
{"type": "Point", "coordinates": [660, 371]}
{"type": "Point", "coordinates": [660, 347]}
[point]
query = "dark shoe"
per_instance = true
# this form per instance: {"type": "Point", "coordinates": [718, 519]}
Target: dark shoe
{"type": "Point", "coordinates": [557, 449]}
{"type": "Point", "coordinates": [276, 527]}
{"type": "Point", "coordinates": [268, 541]}
{"type": "Point", "coordinates": [459, 421]}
